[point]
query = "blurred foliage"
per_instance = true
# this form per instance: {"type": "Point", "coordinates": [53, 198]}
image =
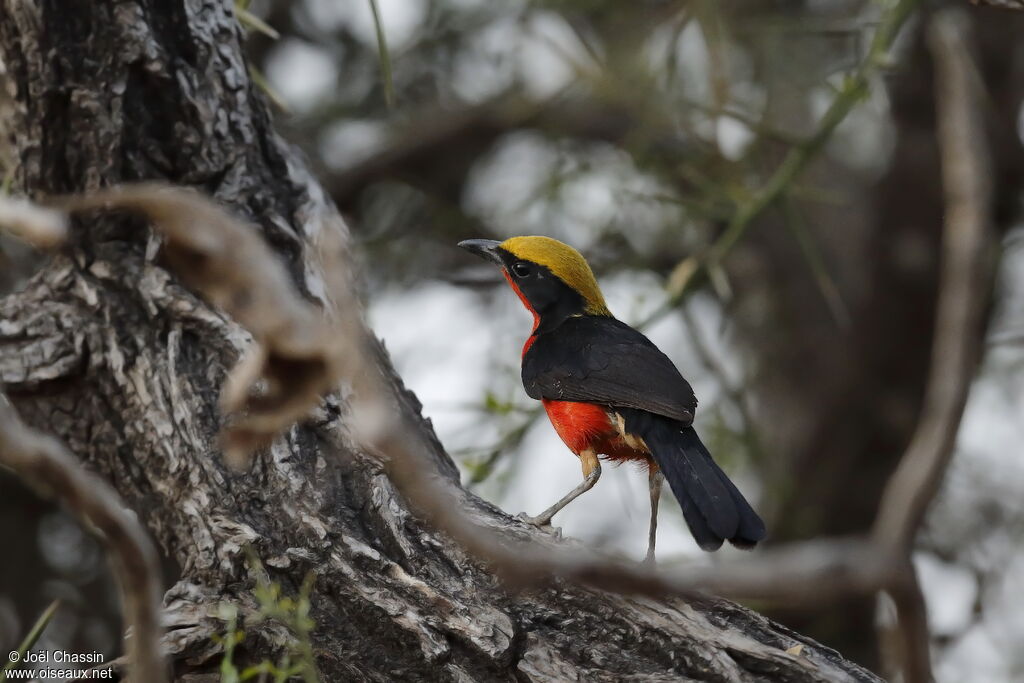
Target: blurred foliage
{"type": "Point", "coordinates": [643, 61]}
{"type": "Point", "coordinates": [293, 613]}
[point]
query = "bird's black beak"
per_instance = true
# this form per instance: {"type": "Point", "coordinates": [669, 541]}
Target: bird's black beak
{"type": "Point", "coordinates": [487, 249]}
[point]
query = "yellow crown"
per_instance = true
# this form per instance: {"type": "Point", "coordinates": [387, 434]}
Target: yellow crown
{"type": "Point", "coordinates": [566, 263]}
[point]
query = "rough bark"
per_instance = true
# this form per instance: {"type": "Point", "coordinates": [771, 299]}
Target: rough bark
{"type": "Point", "coordinates": [106, 350]}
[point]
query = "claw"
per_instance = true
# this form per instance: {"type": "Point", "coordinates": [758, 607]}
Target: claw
{"type": "Point", "coordinates": [534, 521]}
{"type": "Point", "coordinates": [540, 523]}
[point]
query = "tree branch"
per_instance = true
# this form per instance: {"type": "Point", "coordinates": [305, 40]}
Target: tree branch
{"type": "Point", "coordinates": [295, 359]}
{"type": "Point", "coordinates": [40, 227]}
{"type": "Point", "coordinates": [1001, 4]}
{"type": "Point", "coordinates": [44, 463]}
{"type": "Point", "coordinates": [966, 279]}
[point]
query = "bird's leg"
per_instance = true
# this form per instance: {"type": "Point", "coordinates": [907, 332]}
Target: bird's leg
{"type": "Point", "coordinates": [654, 484]}
{"type": "Point", "coordinates": [591, 473]}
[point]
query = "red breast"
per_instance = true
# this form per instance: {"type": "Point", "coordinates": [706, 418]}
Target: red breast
{"type": "Point", "coordinates": [526, 302]}
{"type": "Point", "coordinates": [585, 426]}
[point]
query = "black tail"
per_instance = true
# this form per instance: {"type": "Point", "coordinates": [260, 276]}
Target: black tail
{"type": "Point", "coordinates": [713, 507]}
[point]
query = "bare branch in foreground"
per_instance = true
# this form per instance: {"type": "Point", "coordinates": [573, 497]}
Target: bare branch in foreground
{"type": "Point", "coordinates": [39, 226]}
{"type": "Point", "coordinates": [295, 359]}
{"type": "Point", "coordinates": [43, 462]}
{"type": "Point", "coordinates": [1001, 4]}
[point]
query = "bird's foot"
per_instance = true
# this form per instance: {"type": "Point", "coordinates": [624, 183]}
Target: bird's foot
{"type": "Point", "coordinates": [541, 523]}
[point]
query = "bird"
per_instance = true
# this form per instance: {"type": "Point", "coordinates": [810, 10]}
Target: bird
{"type": "Point", "coordinates": [612, 395]}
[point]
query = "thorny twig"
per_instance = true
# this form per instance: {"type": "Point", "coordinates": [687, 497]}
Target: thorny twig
{"type": "Point", "coordinates": [739, 398]}
{"type": "Point", "coordinates": [852, 91]}
{"type": "Point", "coordinates": [691, 272]}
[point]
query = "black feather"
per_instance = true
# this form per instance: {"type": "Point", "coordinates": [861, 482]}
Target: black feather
{"type": "Point", "coordinates": [713, 507]}
{"type": "Point", "coordinates": [601, 360]}
{"type": "Point", "coordinates": [706, 538]}
{"type": "Point", "coordinates": [598, 359]}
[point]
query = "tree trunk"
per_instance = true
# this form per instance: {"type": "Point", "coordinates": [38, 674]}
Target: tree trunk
{"type": "Point", "coordinates": [106, 350]}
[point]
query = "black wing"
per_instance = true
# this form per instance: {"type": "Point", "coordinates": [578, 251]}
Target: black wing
{"type": "Point", "coordinates": [602, 360]}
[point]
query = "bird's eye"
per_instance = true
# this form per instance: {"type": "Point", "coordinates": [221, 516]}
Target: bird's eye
{"type": "Point", "coordinates": [520, 269]}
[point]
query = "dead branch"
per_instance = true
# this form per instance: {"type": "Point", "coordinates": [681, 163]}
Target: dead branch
{"type": "Point", "coordinates": [47, 466]}
{"type": "Point", "coordinates": [295, 359]}
{"type": "Point", "coordinates": [1001, 4]}
{"type": "Point", "coordinates": [41, 227]}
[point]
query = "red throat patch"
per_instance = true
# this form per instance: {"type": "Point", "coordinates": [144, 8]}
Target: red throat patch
{"type": "Point", "coordinates": [536, 318]}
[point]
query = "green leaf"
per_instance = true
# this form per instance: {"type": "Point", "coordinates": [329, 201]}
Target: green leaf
{"type": "Point", "coordinates": [816, 263]}
{"type": "Point", "coordinates": [263, 84]}
{"type": "Point", "coordinates": [383, 56]}
{"type": "Point", "coordinates": [32, 638]}
{"type": "Point", "coordinates": [5, 188]}
{"type": "Point", "coordinates": [252, 22]}
{"type": "Point", "coordinates": [263, 668]}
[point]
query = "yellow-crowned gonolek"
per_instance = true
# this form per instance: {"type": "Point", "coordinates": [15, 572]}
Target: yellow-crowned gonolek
{"type": "Point", "coordinates": [610, 393]}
